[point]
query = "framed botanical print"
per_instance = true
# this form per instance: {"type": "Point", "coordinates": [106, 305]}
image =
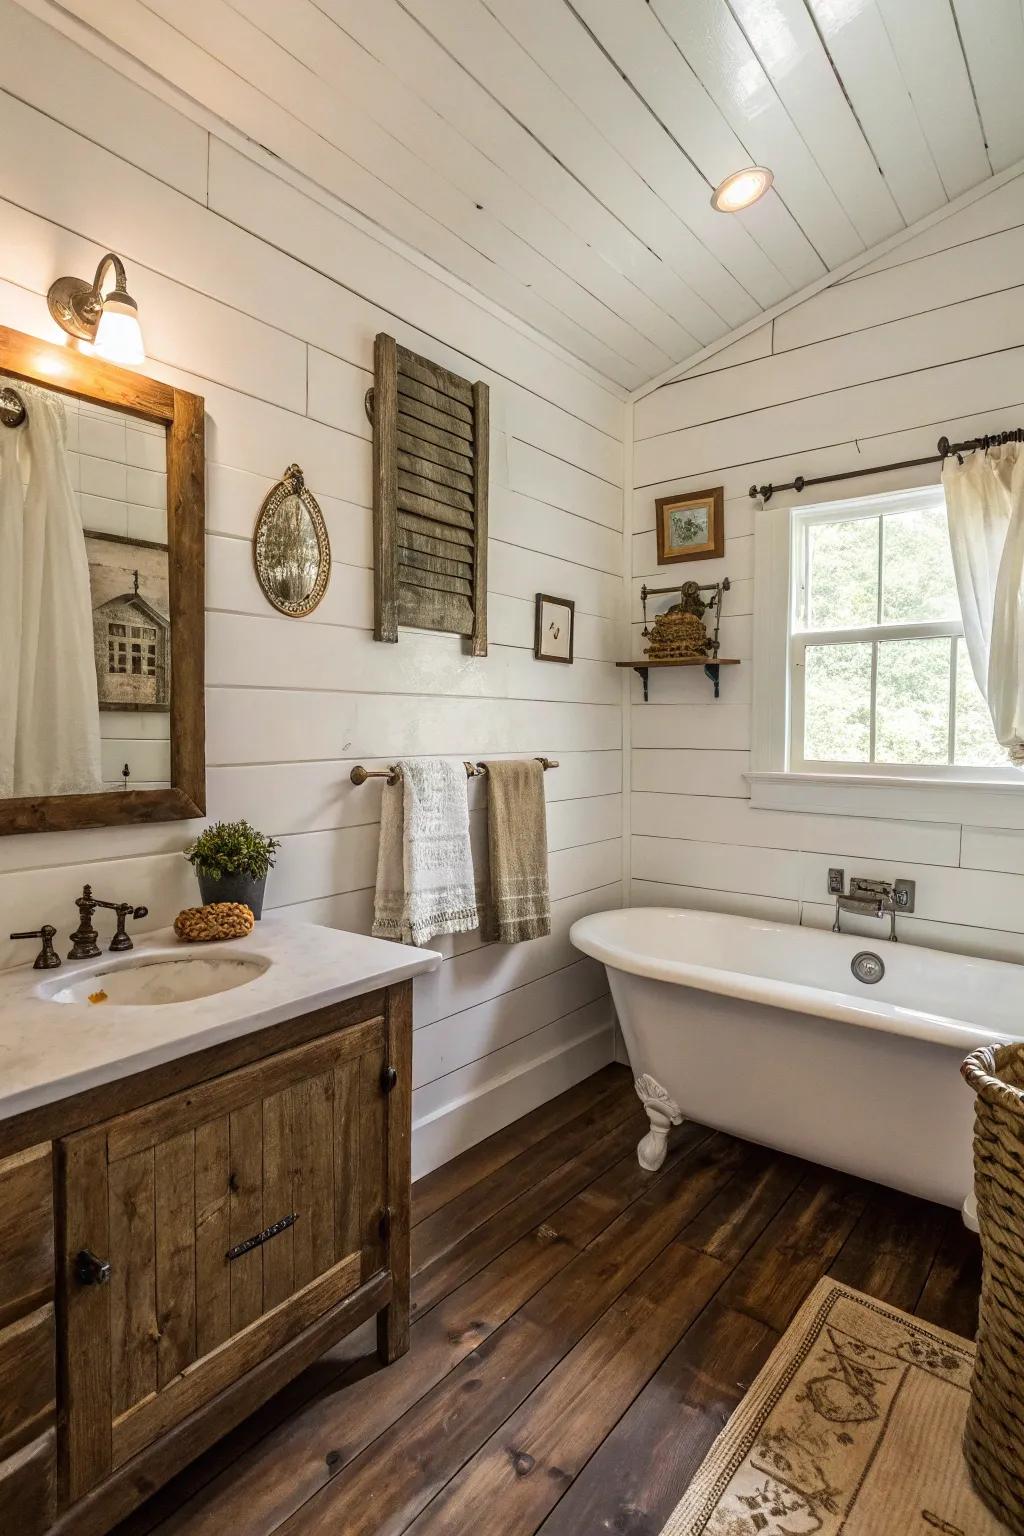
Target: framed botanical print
{"type": "Point", "coordinates": [553, 632]}
{"type": "Point", "coordinates": [691, 526]}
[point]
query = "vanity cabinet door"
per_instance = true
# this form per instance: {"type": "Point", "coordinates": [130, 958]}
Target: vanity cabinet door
{"type": "Point", "coordinates": [231, 1216]}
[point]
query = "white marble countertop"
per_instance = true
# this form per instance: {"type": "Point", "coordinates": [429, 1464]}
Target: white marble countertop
{"type": "Point", "coordinates": [50, 1050]}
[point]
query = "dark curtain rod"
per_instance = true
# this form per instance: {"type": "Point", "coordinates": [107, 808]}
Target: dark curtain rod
{"type": "Point", "coordinates": [944, 447]}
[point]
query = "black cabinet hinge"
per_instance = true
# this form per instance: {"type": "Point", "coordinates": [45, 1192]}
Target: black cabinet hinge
{"type": "Point", "coordinates": [388, 1079]}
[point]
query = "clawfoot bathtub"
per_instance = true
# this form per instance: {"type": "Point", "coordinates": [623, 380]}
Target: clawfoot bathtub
{"type": "Point", "coordinates": [764, 1030]}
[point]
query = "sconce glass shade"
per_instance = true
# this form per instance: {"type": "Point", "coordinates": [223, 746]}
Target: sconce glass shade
{"type": "Point", "coordinates": [118, 333]}
{"type": "Point", "coordinates": [111, 323]}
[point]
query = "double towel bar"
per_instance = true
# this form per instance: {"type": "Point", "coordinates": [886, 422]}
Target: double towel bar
{"type": "Point", "coordinates": [359, 774]}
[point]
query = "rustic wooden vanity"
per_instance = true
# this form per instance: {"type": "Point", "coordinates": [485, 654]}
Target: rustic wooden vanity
{"type": "Point", "coordinates": [180, 1239]}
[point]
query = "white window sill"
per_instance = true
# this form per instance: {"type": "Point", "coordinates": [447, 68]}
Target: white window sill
{"type": "Point", "coordinates": [975, 802]}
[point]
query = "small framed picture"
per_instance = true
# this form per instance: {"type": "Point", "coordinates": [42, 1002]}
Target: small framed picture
{"type": "Point", "coordinates": [553, 634]}
{"type": "Point", "coordinates": [691, 527]}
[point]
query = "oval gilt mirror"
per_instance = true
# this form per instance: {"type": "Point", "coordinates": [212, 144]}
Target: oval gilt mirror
{"type": "Point", "coordinates": [290, 547]}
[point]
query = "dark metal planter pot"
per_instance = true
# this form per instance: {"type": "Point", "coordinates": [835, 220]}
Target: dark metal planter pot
{"type": "Point", "coordinates": [240, 888]}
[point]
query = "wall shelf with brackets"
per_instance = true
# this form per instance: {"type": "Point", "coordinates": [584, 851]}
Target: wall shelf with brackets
{"type": "Point", "coordinates": [711, 667]}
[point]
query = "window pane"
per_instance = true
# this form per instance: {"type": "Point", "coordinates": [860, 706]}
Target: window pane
{"type": "Point", "coordinates": [912, 720]}
{"type": "Point", "coordinates": [837, 703]}
{"type": "Point", "coordinates": [917, 568]}
{"type": "Point", "coordinates": [976, 745]}
{"type": "Point", "coordinates": [842, 574]}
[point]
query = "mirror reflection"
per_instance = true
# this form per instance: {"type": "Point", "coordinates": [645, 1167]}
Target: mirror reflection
{"type": "Point", "coordinates": [85, 659]}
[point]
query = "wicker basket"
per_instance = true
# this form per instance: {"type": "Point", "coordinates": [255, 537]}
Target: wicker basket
{"type": "Point", "coordinates": [994, 1435]}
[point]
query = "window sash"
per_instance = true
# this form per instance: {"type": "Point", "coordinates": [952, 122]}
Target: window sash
{"type": "Point", "coordinates": [873, 635]}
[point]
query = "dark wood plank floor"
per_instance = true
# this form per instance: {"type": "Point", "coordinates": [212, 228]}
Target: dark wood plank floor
{"type": "Point", "coordinates": [582, 1331]}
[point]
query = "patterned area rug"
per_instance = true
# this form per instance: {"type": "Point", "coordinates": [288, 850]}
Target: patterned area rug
{"type": "Point", "coordinates": [852, 1428]}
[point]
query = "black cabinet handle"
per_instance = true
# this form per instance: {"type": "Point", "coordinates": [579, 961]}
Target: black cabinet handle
{"type": "Point", "coordinates": [89, 1270]}
{"type": "Point", "coordinates": [388, 1079]}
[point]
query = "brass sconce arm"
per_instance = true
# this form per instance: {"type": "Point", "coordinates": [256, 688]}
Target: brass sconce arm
{"type": "Point", "coordinates": [76, 304]}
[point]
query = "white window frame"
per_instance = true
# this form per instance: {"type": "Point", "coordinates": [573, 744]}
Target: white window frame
{"type": "Point", "coordinates": [779, 778]}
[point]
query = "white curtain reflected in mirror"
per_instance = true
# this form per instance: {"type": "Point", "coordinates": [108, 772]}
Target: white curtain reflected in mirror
{"type": "Point", "coordinates": [84, 607]}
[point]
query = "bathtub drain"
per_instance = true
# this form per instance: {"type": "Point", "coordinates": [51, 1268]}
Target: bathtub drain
{"type": "Point", "coordinates": [867, 967]}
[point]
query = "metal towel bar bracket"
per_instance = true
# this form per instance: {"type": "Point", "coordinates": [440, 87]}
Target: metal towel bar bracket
{"type": "Point", "coordinates": [359, 774]}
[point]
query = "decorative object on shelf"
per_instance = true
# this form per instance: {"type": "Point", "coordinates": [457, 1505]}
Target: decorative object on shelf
{"type": "Point", "coordinates": [217, 920]}
{"type": "Point", "coordinates": [231, 860]}
{"type": "Point", "coordinates": [680, 637]}
{"type": "Point", "coordinates": [993, 1445]}
{"type": "Point", "coordinates": [290, 547]}
{"type": "Point", "coordinates": [554, 628]}
{"type": "Point", "coordinates": [691, 526]}
{"type": "Point", "coordinates": [681, 630]}
{"type": "Point", "coordinates": [430, 474]}
{"type": "Point", "coordinates": [110, 323]}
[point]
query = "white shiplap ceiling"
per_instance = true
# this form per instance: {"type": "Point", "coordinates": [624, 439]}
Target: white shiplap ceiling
{"type": "Point", "coordinates": [559, 155]}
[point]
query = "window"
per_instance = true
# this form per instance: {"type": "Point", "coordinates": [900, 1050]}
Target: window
{"type": "Point", "coordinates": [131, 649]}
{"type": "Point", "coordinates": [117, 648]}
{"type": "Point", "coordinates": [864, 700]}
{"type": "Point", "coordinates": [879, 676]}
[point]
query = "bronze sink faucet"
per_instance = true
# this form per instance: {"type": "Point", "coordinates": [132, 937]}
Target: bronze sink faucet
{"type": "Point", "coordinates": [83, 940]}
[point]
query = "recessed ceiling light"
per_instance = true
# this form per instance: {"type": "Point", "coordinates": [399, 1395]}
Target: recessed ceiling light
{"type": "Point", "coordinates": [741, 189]}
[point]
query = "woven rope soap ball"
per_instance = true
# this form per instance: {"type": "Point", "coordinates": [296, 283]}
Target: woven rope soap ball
{"type": "Point", "coordinates": [219, 920]}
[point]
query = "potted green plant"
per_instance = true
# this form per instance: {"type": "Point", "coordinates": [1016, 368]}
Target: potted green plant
{"type": "Point", "coordinates": [231, 860]}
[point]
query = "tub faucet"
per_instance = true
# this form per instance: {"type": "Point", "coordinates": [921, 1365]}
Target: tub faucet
{"type": "Point", "coordinates": [871, 898]}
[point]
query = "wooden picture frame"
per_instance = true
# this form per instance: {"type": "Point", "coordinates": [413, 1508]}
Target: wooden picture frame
{"type": "Point", "coordinates": [546, 647]}
{"type": "Point", "coordinates": [69, 372]}
{"type": "Point", "coordinates": [690, 526]}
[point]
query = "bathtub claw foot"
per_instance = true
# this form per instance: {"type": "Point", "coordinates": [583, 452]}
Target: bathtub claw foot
{"type": "Point", "coordinates": [663, 1113]}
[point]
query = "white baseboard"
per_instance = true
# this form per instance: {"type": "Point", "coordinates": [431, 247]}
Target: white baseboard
{"type": "Point", "coordinates": [453, 1127]}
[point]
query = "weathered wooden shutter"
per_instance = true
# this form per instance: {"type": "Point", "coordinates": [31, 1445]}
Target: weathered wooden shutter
{"type": "Point", "coordinates": [430, 440]}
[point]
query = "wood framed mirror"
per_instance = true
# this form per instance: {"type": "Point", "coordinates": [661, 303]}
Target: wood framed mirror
{"type": "Point", "coordinates": [102, 546]}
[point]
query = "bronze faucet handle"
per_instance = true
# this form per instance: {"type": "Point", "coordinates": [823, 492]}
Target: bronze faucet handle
{"type": "Point", "coordinates": [47, 958]}
{"type": "Point", "coordinates": [125, 910]}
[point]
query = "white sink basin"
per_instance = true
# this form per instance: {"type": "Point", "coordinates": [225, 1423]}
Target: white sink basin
{"type": "Point", "coordinates": [151, 980]}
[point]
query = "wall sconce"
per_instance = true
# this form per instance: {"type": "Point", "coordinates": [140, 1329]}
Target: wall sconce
{"type": "Point", "coordinates": [111, 324]}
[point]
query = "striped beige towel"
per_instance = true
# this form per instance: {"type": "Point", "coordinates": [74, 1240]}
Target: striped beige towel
{"type": "Point", "coordinates": [519, 906]}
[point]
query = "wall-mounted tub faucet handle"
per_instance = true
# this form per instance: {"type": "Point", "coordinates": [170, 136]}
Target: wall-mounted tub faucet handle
{"type": "Point", "coordinates": [47, 957]}
{"type": "Point", "coordinates": [125, 910]}
{"type": "Point", "coordinates": [872, 898]}
{"type": "Point", "coordinates": [83, 940]}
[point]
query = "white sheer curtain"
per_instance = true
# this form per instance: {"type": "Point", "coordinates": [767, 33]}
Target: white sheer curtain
{"type": "Point", "coordinates": [985, 512]}
{"type": "Point", "coordinates": [12, 512]}
{"type": "Point", "coordinates": [57, 736]}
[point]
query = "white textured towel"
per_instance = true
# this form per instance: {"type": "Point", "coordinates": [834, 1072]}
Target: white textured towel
{"type": "Point", "coordinates": [425, 866]}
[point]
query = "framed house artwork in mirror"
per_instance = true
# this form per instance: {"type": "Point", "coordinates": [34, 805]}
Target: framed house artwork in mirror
{"type": "Point", "coordinates": [290, 547]}
{"type": "Point", "coordinates": [101, 593]}
{"type": "Point", "coordinates": [690, 526]}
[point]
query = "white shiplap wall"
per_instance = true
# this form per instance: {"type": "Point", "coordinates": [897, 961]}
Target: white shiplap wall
{"type": "Point", "coordinates": [266, 301]}
{"type": "Point", "coordinates": [925, 340]}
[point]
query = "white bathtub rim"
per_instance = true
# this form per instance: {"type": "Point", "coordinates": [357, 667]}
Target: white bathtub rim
{"type": "Point", "coordinates": [889, 1018]}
